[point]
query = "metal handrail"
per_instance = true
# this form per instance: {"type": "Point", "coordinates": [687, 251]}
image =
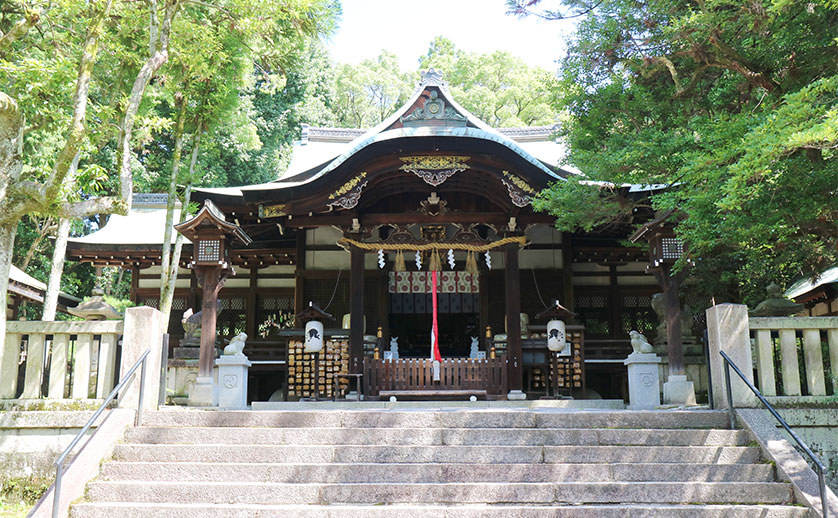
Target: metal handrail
{"type": "Point", "coordinates": [732, 412]}
{"type": "Point", "coordinates": [59, 464]}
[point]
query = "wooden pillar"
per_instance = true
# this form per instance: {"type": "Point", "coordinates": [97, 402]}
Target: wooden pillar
{"type": "Point", "coordinates": [211, 277]}
{"type": "Point", "coordinates": [614, 302]}
{"type": "Point", "coordinates": [483, 281]}
{"type": "Point", "coordinates": [15, 307]}
{"type": "Point", "coordinates": [300, 263]}
{"type": "Point", "coordinates": [567, 271]}
{"type": "Point", "coordinates": [135, 283]}
{"type": "Point", "coordinates": [250, 315]}
{"type": "Point", "coordinates": [194, 291]}
{"type": "Point", "coordinates": [671, 284]}
{"type": "Point", "coordinates": [384, 302]}
{"type": "Point", "coordinates": [356, 309]}
{"type": "Point", "coordinates": [513, 317]}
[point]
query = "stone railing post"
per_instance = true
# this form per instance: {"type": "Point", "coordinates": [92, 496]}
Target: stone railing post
{"type": "Point", "coordinates": [728, 331]}
{"type": "Point", "coordinates": [143, 330]}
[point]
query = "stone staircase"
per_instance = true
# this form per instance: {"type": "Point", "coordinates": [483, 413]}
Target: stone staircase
{"type": "Point", "coordinates": [448, 462]}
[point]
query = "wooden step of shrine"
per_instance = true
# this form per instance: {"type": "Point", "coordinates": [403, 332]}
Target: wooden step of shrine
{"type": "Point", "coordinates": [448, 462]}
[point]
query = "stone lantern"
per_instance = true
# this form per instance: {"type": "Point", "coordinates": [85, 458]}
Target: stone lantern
{"type": "Point", "coordinates": [665, 249]}
{"type": "Point", "coordinates": [95, 308]}
{"type": "Point", "coordinates": [211, 237]}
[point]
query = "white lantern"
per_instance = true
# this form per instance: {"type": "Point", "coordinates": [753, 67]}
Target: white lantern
{"type": "Point", "coordinates": [556, 337]}
{"type": "Point", "coordinates": [314, 336]}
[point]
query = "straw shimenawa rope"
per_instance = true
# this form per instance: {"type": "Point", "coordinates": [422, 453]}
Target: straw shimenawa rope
{"type": "Point", "coordinates": [424, 247]}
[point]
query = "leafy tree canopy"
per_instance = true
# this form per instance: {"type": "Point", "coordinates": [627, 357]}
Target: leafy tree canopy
{"type": "Point", "coordinates": [733, 104]}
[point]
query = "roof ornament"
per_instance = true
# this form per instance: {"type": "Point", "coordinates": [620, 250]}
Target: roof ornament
{"type": "Point", "coordinates": [433, 111]}
{"type": "Point", "coordinates": [432, 77]}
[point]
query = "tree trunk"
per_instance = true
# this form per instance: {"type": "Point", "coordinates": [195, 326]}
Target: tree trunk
{"type": "Point", "coordinates": [43, 230]}
{"type": "Point", "coordinates": [7, 244]}
{"type": "Point", "coordinates": [149, 68]}
{"type": "Point", "coordinates": [166, 263]}
{"type": "Point", "coordinates": [57, 268]}
{"type": "Point", "coordinates": [169, 295]}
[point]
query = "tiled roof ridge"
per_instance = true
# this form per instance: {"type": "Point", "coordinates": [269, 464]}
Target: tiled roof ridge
{"type": "Point", "coordinates": [332, 134]}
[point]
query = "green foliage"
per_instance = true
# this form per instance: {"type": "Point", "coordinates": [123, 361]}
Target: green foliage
{"type": "Point", "coordinates": [734, 105]}
{"type": "Point", "coordinates": [498, 88]}
{"type": "Point", "coordinates": [25, 490]}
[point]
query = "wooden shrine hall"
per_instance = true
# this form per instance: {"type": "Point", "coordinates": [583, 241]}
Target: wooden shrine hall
{"type": "Point", "coordinates": [359, 226]}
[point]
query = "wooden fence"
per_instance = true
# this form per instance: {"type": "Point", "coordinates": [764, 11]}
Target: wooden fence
{"type": "Point", "coordinates": [417, 374]}
{"type": "Point", "coordinates": [788, 348]}
{"type": "Point", "coordinates": [59, 360]}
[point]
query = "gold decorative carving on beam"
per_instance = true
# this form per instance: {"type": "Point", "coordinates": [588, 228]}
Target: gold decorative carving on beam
{"type": "Point", "coordinates": [434, 169]}
{"type": "Point", "coordinates": [348, 186]}
{"type": "Point", "coordinates": [520, 192]}
{"type": "Point", "coordinates": [272, 211]}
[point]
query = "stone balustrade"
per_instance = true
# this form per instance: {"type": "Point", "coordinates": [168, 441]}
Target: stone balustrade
{"type": "Point", "coordinates": [779, 342]}
{"type": "Point", "coordinates": [47, 352]}
{"type": "Point", "coordinates": [774, 347]}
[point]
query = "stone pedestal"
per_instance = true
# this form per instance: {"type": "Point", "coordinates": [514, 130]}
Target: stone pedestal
{"type": "Point", "coordinates": [202, 393]}
{"type": "Point", "coordinates": [643, 380]}
{"type": "Point", "coordinates": [232, 381]}
{"type": "Point", "coordinates": [678, 391]}
{"type": "Point", "coordinates": [516, 395]}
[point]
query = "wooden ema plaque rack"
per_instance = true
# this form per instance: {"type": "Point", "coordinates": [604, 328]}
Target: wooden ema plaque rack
{"type": "Point", "coordinates": [568, 372]}
{"type": "Point", "coordinates": [306, 378]}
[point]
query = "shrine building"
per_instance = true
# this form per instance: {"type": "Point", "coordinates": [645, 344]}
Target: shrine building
{"type": "Point", "coordinates": [356, 225]}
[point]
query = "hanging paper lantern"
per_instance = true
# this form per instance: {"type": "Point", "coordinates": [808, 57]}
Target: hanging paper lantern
{"type": "Point", "coordinates": [451, 262]}
{"type": "Point", "coordinates": [381, 261]}
{"type": "Point", "coordinates": [556, 335]}
{"type": "Point", "coordinates": [488, 260]}
{"type": "Point", "coordinates": [314, 336]}
{"type": "Point", "coordinates": [418, 260]}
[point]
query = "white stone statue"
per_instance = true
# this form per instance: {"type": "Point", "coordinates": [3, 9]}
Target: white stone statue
{"type": "Point", "coordinates": [236, 345]}
{"type": "Point", "coordinates": [639, 344]}
{"type": "Point", "coordinates": [475, 346]}
{"type": "Point", "coordinates": [394, 347]}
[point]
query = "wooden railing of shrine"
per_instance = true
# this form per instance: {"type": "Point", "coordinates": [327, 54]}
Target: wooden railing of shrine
{"type": "Point", "coordinates": [456, 374]}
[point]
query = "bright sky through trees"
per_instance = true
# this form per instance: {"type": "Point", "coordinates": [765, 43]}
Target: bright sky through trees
{"type": "Point", "coordinates": [406, 28]}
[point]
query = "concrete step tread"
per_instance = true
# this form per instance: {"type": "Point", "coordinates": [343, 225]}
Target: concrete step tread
{"type": "Point", "coordinates": [400, 418]}
{"type": "Point", "coordinates": [151, 510]}
{"type": "Point", "coordinates": [452, 454]}
{"type": "Point", "coordinates": [541, 493]}
{"type": "Point", "coordinates": [431, 472]}
{"type": "Point", "coordinates": [435, 435]}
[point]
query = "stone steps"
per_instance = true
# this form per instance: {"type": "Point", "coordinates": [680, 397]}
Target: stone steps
{"type": "Point", "coordinates": [453, 418]}
{"type": "Point", "coordinates": [446, 454]}
{"type": "Point", "coordinates": [431, 472]}
{"type": "Point", "coordinates": [460, 463]}
{"type": "Point", "coordinates": [227, 492]}
{"type": "Point", "coordinates": [436, 436]}
{"type": "Point", "coordinates": [144, 510]}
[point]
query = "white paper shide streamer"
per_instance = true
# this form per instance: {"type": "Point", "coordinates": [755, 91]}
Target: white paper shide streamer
{"type": "Point", "coordinates": [418, 260]}
{"type": "Point", "coordinates": [488, 261]}
{"type": "Point", "coordinates": [451, 258]}
{"type": "Point", "coordinates": [381, 261]}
